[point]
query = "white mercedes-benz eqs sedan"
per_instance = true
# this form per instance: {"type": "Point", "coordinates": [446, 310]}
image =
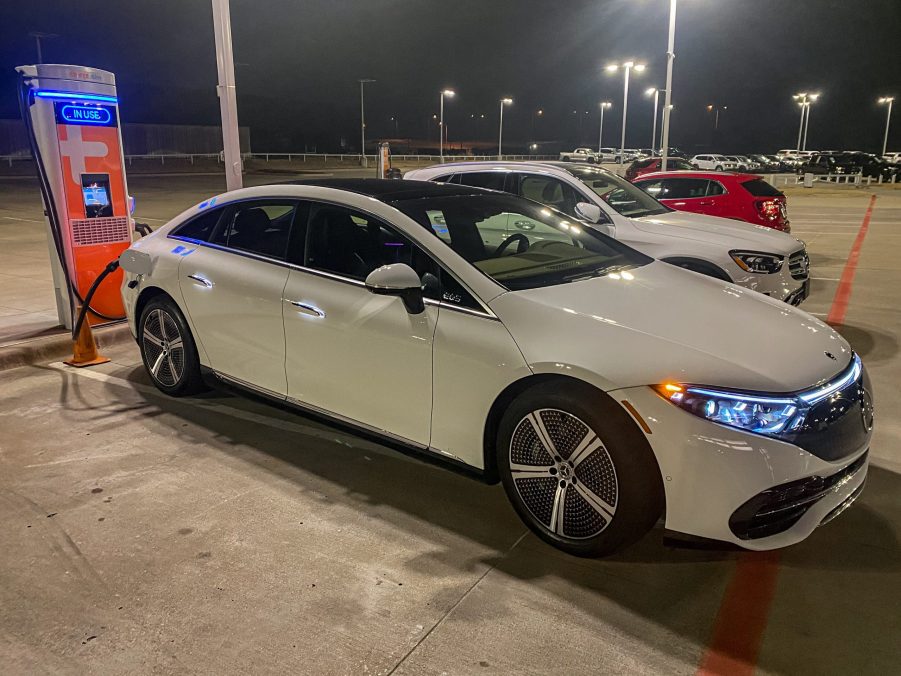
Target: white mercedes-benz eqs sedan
{"type": "Point", "coordinates": [603, 388]}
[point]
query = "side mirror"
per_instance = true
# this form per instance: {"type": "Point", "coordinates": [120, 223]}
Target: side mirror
{"type": "Point", "coordinates": [398, 279]}
{"type": "Point", "coordinates": [591, 213]}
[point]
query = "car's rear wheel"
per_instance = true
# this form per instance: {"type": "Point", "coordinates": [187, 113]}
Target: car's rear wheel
{"type": "Point", "coordinates": [168, 349]}
{"type": "Point", "coordinates": [719, 167]}
{"type": "Point", "coordinates": [578, 470]}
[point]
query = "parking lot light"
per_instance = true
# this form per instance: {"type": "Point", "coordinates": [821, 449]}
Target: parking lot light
{"type": "Point", "coordinates": [500, 135]}
{"type": "Point", "coordinates": [627, 67]}
{"type": "Point", "coordinates": [450, 94]}
{"type": "Point", "coordinates": [668, 92]}
{"type": "Point", "coordinates": [604, 105]}
{"type": "Point", "coordinates": [363, 160]}
{"type": "Point", "coordinates": [804, 100]}
{"type": "Point", "coordinates": [888, 118]}
{"type": "Point", "coordinates": [656, 93]}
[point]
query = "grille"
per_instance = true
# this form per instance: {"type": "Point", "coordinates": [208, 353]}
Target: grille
{"type": "Point", "coordinates": [87, 231]}
{"type": "Point", "coordinates": [799, 264]}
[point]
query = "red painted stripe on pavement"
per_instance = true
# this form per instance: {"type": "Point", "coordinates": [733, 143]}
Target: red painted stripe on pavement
{"type": "Point", "coordinates": [843, 292]}
{"type": "Point", "coordinates": [742, 618]}
{"type": "Point", "coordinates": [744, 611]}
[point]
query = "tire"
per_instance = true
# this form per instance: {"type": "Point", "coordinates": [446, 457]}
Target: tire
{"type": "Point", "coordinates": [718, 168]}
{"type": "Point", "coordinates": [591, 160]}
{"type": "Point", "coordinates": [168, 349]}
{"type": "Point", "coordinates": [596, 487]}
{"type": "Point", "coordinates": [565, 158]}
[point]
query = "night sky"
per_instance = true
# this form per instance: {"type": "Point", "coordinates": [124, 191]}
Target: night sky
{"type": "Point", "coordinates": [299, 62]}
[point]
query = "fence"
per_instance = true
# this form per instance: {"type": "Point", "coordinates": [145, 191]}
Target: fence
{"type": "Point", "coordinates": [300, 157]}
{"type": "Point", "coordinates": [856, 180]}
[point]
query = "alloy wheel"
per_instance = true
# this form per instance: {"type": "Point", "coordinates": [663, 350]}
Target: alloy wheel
{"type": "Point", "coordinates": [163, 347]}
{"type": "Point", "coordinates": [563, 473]}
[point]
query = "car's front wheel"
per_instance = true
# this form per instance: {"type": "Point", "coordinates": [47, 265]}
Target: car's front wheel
{"type": "Point", "coordinates": [168, 349]}
{"type": "Point", "coordinates": [578, 470]}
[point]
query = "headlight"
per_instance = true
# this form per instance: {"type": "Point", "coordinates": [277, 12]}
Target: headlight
{"type": "Point", "coordinates": [753, 261]}
{"type": "Point", "coordinates": [759, 414]}
{"type": "Point", "coordinates": [771, 415]}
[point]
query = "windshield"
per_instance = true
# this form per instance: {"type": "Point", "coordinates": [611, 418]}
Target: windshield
{"type": "Point", "coordinates": [621, 195]}
{"type": "Point", "coordinates": [518, 243]}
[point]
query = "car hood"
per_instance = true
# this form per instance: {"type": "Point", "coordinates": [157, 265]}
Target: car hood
{"type": "Point", "coordinates": [659, 323]}
{"type": "Point", "coordinates": [726, 231]}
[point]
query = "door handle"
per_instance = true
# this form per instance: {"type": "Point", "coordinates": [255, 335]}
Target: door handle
{"type": "Point", "coordinates": [200, 279]}
{"type": "Point", "coordinates": [308, 309]}
{"type": "Point", "coordinates": [706, 203]}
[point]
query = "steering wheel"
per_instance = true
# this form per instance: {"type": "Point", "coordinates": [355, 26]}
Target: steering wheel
{"type": "Point", "coordinates": [516, 236]}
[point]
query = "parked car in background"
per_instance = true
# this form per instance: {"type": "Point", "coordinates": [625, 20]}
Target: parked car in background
{"type": "Point", "coordinates": [893, 158]}
{"type": "Point", "coordinates": [579, 155]}
{"type": "Point", "coordinates": [744, 197]}
{"type": "Point", "coordinates": [608, 155]}
{"type": "Point", "coordinates": [740, 163]}
{"type": "Point", "coordinates": [865, 164]}
{"type": "Point", "coordinates": [714, 162]}
{"type": "Point", "coordinates": [766, 163]}
{"type": "Point", "coordinates": [646, 166]}
{"type": "Point", "coordinates": [758, 258]}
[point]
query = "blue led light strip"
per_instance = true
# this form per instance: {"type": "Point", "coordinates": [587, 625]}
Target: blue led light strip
{"type": "Point", "coordinates": [74, 96]}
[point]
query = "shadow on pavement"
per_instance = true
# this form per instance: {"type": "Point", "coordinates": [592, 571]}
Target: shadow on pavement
{"type": "Point", "coordinates": [654, 592]}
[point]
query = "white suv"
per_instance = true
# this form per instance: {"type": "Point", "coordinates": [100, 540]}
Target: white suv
{"type": "Point", "coordinates": [714, 162]}
{"type": "Point", "coordinates": [755, 257]}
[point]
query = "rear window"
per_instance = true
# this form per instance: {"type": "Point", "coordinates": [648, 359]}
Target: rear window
{"type": "Point", "coordinates": [641, 164]}
{"type": "Point", "coordinates": [760, 188]}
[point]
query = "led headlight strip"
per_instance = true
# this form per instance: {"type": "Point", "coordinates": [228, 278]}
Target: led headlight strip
{"type": "Point", "coordinates": [758, 413]}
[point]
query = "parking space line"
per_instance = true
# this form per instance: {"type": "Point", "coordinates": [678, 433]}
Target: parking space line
{"type": "Point", "coordinates": [843, 292]}
{"type": "Point", "coordinates": [744, 611]}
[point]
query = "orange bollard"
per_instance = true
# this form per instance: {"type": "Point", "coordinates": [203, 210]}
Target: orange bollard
{"type": "Point", "coordinates": [84, 349]}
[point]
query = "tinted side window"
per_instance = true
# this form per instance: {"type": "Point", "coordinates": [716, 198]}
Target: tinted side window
{"type": "Point", "coordinates": [653, 188]}
{"type": "Point", "coordinates": [549, 190]}
{"type": "Point", "coordinates": [353, 244]}
{"type": "Point", "coordinates": [493, 180]}
{"type": "Point", "coordinates": [260, 226]}
{"type": "Point", "coordinates": [715, 188]}
{"type": "Point", "coordinates": [446, 178]}
{"type": "Point", "coordinates": [684, 188]}
{"type": "Point", "coordinates": [200, 227]}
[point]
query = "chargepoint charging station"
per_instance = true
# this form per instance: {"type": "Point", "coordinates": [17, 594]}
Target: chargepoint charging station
{"type": "Point", "coordinates": [71, 115]}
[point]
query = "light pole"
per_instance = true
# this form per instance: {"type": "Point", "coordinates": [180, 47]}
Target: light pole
{"type": "Point", "coordinates": [667, 99]}
{"type": "Point", "coordinates": [38, 36]}
{"type": "Point", "coordinates": [539, 113]}
{"type": "Point", "coordinates": [716, 114]}
{"type": "Point", "coordinates": [804, 100]}
{"type": "Point", "coordinates": [448, 93]}
{"type": "Point", "coordinates": [627, 67]}
{"type": "Point", "coordinates": [500, 133]}
{"type": "Point", "coordinates": [363, 159]}
{"type": "Point", "coordinates": [656, 93]}
{"type": "Point", "coordinates": [228, 101]}
{"type": "Point", "coordinates": [888, 119]}
{"type": "Point", "coordinates": [604, 105]}
{"type": "Point", "coordinates": [394, 120]}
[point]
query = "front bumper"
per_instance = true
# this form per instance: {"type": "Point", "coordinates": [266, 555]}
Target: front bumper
{"type": "Point", "coordinates": [710, 472]}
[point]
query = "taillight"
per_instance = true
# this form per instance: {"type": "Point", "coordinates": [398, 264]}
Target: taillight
{"type": "Point", "coordinates": [769, 209]}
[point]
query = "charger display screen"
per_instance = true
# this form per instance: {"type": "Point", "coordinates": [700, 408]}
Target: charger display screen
{"type": "Point", "coordinates": [95, 190]}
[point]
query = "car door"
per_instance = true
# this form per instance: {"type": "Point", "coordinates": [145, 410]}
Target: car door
{"type": "Point", "coordinates": [717, 201]}
{"type": "Point", "coordinates": [232, 289]}
{"type": "Point", "coordinates": [687, 194]}
{"type": "Point", "coordinates": [350, 353]}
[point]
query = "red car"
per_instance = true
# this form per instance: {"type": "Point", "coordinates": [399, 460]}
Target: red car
{"type": "Point", "coordinates": [652, 164]}
{"type": "Point", "coordinates": [744, 197]}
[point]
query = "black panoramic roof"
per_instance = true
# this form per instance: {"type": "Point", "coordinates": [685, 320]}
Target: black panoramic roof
{"type": "Point", "coordinates": [392, 190]}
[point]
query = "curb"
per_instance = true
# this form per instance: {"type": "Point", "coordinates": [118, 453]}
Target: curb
{"type": "Point", "coordinates": [49, 348]}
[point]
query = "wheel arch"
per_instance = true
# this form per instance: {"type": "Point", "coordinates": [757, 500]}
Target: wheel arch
{"type": "Point", "coordinates": [508, 395]}
{"type": "Point", "coordinates": [698, 265]}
